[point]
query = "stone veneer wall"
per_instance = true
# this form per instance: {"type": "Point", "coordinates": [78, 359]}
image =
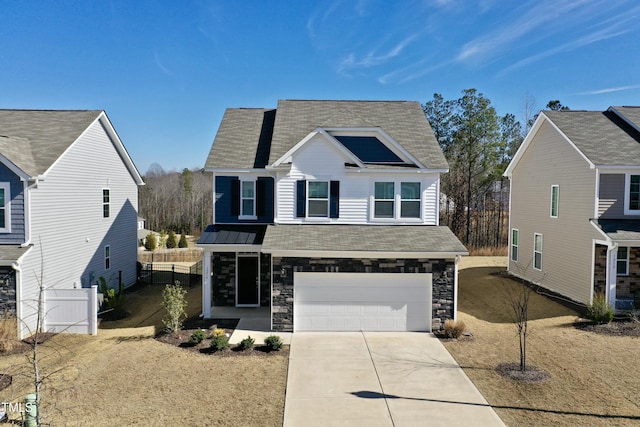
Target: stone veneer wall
{"type": "Point", "coordinates": [442, 281]}
{"type": "Point", "coordinates": [224, 279]}
{"type": "Point", "coordinates": [626, 286]}
{"type": "Point", "coordinates": [7, 292]}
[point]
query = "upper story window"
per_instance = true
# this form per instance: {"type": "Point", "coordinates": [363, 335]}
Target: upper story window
{"type": "Point", "coordinates": [623, 261]}
{"type": "Point", "coordinates": [537, 251]}
{"type": "Point", "coordinates": [248, 196]}
{"type": "Point", "coordinates": [317, 199]}
{"type": "Point", "coordinates": [107, 257]}
{"type": "Point", "coordinates": [515, 237]}
{"type": "Point", "coordinates": [387, 195]}
{"type": "Point", "coordinates": [105, 203]}
{"type": "Point", "coordinates": [634, 192]}
{"type": "Point", "coordinates": [555, 194]}
{"type": "Point", "coordinates": [5, 208]}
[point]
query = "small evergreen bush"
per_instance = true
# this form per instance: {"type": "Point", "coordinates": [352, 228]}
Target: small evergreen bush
{"type": "Point", "coordinates": [218, 332]}
{"type": "Point", "coordinates": [197, 337]}
{"type": "Point", "coordinates": [599, 310]}
{"type": "Point", "coordinates": [219, 342]}
{"type": "Point", "coordinates": [454, 328]}
{"type": "Point", "coordinates": [247, 343]}
{"type": "Point", "coordinates": [174, 301]}
{"type": "Point", "coordinates": [171, 240]}
{"type": "Point", "coordinates": [273, 342]}
{"type": "Point", "coordinates": [150, 242]}
{"type": "Point", "coordinates": [182, 243]}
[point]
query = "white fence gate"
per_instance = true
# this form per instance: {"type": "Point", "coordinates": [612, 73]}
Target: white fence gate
{"type": "Point", "coordinates": [71, 310]}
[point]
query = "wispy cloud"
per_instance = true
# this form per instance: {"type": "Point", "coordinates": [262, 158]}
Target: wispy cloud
{"type": "Point", "coordinates": [609, 90]}
{"type": "Point", "coordinates": [371, 59]}
{"type": "Point", "coordinates": [160, 65]}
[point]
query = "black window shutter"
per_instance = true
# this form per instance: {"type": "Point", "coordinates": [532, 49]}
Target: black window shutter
{"type": "Point", "coordinates": [261, 196]}
{"type": "Point", "coordinates": [235, 197]}
{"type": "Point", "coordinates": [301, 197]}
{"type": "Point", "coordinates": [334, 199]}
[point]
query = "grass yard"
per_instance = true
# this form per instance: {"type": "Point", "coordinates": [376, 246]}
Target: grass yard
{"type": "Point", "coordinates": [595, 380]}
{"type": "Point", "coordinates": [124, 376]}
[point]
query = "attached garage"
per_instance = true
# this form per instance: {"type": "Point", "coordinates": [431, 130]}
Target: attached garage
{"type": "Point", "coordinates": [326, 301]}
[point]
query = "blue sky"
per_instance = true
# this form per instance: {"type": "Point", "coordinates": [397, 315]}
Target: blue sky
{"type": "Point", "coordinates": [165, 71]}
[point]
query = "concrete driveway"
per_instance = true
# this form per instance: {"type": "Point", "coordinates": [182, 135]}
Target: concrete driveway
{"type": "Point", "coordinates": [379, 379]}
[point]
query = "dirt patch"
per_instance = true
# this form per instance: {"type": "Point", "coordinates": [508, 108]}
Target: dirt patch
{"type": "Point", "coordinates": [593, 380]}
{"type": "Point", "coordinates": [618, 328]}
{"type": "Point", "coordinates": [530, 375]}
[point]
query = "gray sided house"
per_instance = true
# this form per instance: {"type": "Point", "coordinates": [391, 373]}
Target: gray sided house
{"type": "Point", "coordinates": [575, 205]}
{"type": "Point", "coordinates": [327, 213]}
{"type": "Point", "coordinates": [68, 206]}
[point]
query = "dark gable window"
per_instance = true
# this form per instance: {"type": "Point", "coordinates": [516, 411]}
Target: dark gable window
{"type": "Point", "coordinates": [105, 203]}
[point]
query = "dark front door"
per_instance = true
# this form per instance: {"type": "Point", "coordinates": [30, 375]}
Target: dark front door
{"type": "Point", "coordinates": [248, 290]}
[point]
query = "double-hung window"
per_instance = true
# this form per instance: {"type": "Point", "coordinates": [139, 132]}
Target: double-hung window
{"type": "Point", "coordinates": [622, 265]}
{"type": "Point", "coordinates": [515, 237]}
{"type": "Point", "coordinates": [410, 200]}
{"type": "Point", "coordinates": [537, 251]}
{"type": "Point", "coordinates": [634, 193]}
{"type": "Point", "coordinates": [5, 211]}
{"type": "Point", "coordinates": [555, 194]}
{"type": "Point", "coordinates": [107, 257]}
{"type": "Point", "coordinates": [384, 197]}
{"type": "Point", "coordinates": [318, 199]}
{"type": "Point", "coordinates": [105, 203]}
{"type": "Point", "coordinates": [248, 199]}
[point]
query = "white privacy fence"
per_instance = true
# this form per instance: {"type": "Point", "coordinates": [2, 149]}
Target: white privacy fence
{"type": "Point", "coordinates": [71, 310]}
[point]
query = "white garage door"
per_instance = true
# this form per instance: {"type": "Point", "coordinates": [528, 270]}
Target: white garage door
{"type": "Point", "coordinates": [362, 301]}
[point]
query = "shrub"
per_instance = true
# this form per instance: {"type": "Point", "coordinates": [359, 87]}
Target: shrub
{"type": "Point", "coordinates": [599, 310]}
{"type": "Point", "coordinates": [162, 240]}
{"type": "Point", "coordinates": [247, 343]}
{"type": "Point", "coordinates": [182, 243]}
{"type": "Point", "coordinates": [273, 342]}
{"type": "Point", "coordinates": [197, 337]}
{"type": "Point", "coordinates": [112, 300]}
{"type": "Point", "coordinates": [219, 342]}
{"type": "Point", "coordinates": [454, 328]}
{"type": "Point", "coordinates": [174, 301]}
{"type": "Point", "coordinates": [217, 332]}
{"type": "Point", "coordinates": [150, 242]}
{"type": "Point", "coordinates": [171, 240]}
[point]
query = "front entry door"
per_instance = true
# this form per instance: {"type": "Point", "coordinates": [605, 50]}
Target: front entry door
{"type": "Point", "coordinates": [248, 283]}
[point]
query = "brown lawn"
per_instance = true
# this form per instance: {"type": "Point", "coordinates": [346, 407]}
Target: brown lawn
{"type": "Point", "coordinates": [123, 376]}
{"type": "Point", "coordinates": [595, 380]}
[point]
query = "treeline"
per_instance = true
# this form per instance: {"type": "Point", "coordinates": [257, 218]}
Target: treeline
{"type": "Point", "coordinates": [176, 201]}
{"type": "Point", "coordinates": [478, 145]}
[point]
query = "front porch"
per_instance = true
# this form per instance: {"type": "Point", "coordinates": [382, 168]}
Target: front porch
{"type": "Point", "coordinates": [620, 267]}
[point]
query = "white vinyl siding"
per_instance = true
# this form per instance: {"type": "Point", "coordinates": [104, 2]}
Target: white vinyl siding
{"type": "Point", "coordinates": [5, 207]}
{"type": "Point", "coordinates": [63, 219]}
{"type": "Point", "coordinates": [555, 195]}
{"type": "Point", "coordinates": [623, 261]}
{"type": "Point", "coordinates": [318, 160]}
{"type": "Point", "coordinates": [515, 237]}
{"type": "Point", "coordinates": [537, 251]}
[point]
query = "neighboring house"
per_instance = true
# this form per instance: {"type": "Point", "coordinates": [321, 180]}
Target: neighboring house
{"type": "Point", "coordinates": [68, 207]}
{"type": "Point", "coordinates": [575, 205]}
{"type": "Point", "coordinates": [327, 212]}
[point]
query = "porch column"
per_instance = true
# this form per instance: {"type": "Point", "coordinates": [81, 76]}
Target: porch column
{"type": "Point", "coordinates": [206, 284]}
{"type": "Point", "coordinates": [612, 274]}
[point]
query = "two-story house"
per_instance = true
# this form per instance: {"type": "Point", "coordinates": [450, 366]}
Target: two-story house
{"type": "Point", "coordinates": [68, 208]}
{"type": "Point", "coordinates": [327, 212]}
{"type": "Point", "coordinates": [575, 205]}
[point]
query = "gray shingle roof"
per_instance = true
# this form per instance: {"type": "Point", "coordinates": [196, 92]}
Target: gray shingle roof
{"type": "Point", "coordinates": [620, 229]}
{"type": "Point", "coordinates": [603, 137]}
{"type": "Point", "coordinates": [233, 235]}
{"type": "Point", "coordinates": [240, 130]}
{"type": "Point", "coordinates": [362, 238]}
{"type": "Point", "coordinates": [34, 139]}
{"type": "Point", "coordinates": [631, 114]}
{"type": "Point", "coordinates": [10, 254]}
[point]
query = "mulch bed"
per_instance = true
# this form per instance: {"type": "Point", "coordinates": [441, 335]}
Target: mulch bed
{"type": "Point", "coordinates": [530, 376]}
{"type": "Point", "coordinates": [5, 381]}
{"type": "Point", "coordinates": [181, 338]}
{"type": "Point", "coordinates": [619, 328]}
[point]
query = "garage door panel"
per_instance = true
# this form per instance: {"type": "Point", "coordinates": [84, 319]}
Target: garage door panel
{"type": "Point", "coordinates": [362, 301]}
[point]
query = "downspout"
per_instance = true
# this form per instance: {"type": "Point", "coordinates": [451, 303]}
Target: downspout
{"type": "Point", "coordinates": [18, 270]}
{"type": "Point", "coordinates": [610, 288]}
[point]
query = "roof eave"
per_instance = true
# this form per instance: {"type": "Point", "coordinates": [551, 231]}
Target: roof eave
{"type": "Point", "coordinates": [361, 254]}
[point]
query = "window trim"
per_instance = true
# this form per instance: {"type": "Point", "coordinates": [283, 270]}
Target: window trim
{"type": "Point", "coordinates": [253, 215]}
{"type": "Point", "coordinates": [515, 245]}
{"type": "Point", "coordinates": [397, 201]}
{"type": "Point", "coordinates": [107, 257]}
{"type": "Point", "coordinates": [626, 261]}
{"type": "Point", "coordinates": [6, 186]}
{"type": "Point", "coordinates": [535, 251]}
{"type": "Point", "coordinates": [418, 200]}
{"type": "Point", "coordinates": [555, 199]}
{"type": "Point", "coordinates": [309, 199]}
{"type": "Point", "coordinates": [106, 204]}
{"type": "Point", "coordinates": [627, 194]}
{"type": "Point", "coordinates": [376, 200]}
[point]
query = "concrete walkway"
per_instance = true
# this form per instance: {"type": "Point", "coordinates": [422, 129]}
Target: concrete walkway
{"type": "Point", "coordinates": [379, 379]}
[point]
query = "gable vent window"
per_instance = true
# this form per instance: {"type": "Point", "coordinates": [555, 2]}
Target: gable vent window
{"type": "Point", "coordinates": [105, 203]}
